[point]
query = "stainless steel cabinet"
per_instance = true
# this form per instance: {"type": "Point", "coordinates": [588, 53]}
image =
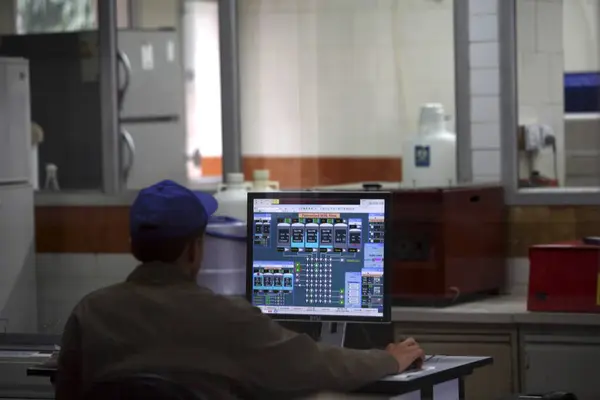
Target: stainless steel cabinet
{"type": "Point", "coordinates": [490, 382]}
{"type": "Point", "coordinates": [158, 153]}
{"type": "Point", "coordinates": [561, 359]}
{"type": "Point", "coordinates": [156, 83]}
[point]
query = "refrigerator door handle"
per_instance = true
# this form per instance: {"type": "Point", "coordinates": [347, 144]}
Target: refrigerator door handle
{"type": "Point", "coordinates": [123, 60]}
{"type": "Point", "coordinates": [128, 161]}
{"type": "Point", "coordinates": [195, 158]}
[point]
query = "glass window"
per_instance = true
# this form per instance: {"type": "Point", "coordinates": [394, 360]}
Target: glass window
{"type": "Point", "coordinates": [46, 16]}
{"type": "Point", "coordinates": [559, 94]}
{"type": "Point", "coordinates": [55, 15]}
{"type": "Point", "coordinates": [59, 39]}
{"type": "Point", "coordinates": [332, 91]}
{"type": "Point", "coordinates": [152, 114]}
{"type": "Point", "coordinates": [203, 91]}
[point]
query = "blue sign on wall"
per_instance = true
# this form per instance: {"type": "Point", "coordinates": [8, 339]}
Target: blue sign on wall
{"type": "Point", "coordinates": [422, 156]}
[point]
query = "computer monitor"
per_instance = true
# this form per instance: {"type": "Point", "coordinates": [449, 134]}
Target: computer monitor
{"type": "Point", "coordinates": [319, 256]}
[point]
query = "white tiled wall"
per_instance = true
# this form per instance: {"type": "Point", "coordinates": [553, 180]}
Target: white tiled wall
{"type": "Point", "coordinates": [518, 275]}
{"type": "Point", "coordinates": [485, 90]}
{"type": "Point", "coordinates": [63, 279]}
{"type": "Point", "coordinates": [540, 68]}
{"type": "Point", "coordinates": [341, 77]}
{"type": "Point", "coordinates": [581, 31]}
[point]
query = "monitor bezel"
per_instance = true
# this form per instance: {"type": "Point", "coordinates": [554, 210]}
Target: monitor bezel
{"type": "Point", "coordinates": [316, 195]}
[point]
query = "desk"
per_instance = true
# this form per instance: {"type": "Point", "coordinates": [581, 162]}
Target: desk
{"type": "Point", "coordinates": [46, 369]}
{"type": "Point", "coordinates": [41, 370]}
{"type": "Point", "coordinates": [442, 378]}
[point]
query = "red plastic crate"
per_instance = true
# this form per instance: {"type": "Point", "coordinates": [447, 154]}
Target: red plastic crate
{"type": "Point", "coordinates": [564, 277]}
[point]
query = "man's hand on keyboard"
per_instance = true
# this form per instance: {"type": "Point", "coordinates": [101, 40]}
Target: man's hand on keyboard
{"type": "Point", "coordinates": [406, 353]}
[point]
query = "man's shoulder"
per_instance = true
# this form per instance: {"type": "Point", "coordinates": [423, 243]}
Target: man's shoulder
{"type": "Point", "coordinates": [188, 292]}
{"type": "Point", "coordinates": [106, 291]}
{"type": "Point", "coordinates": [205, 301]}
{"type": "Point", "coordinates": [99, 295]}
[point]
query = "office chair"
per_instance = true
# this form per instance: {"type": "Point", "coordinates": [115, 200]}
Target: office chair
{"type": "Point", "coordinates": [138, 387]}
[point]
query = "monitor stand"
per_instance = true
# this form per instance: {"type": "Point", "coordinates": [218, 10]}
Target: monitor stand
{"type": "Point", "coordinates": [333, 333]}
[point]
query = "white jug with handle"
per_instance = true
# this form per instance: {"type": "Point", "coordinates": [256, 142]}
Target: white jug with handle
{"type": "Point", "coordinates": [232, 197]}
{"type": "Point", "coordinates": [262, 183]}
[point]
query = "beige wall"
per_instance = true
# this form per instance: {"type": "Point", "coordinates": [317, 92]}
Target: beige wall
{"type": "Point", "coordinates": [7, 16]}
{"type": "Point", "coordinates": [156, 13]}
{"type": "Point", "coordinates": [151, 14]}
{"type": "Point", "coordinates": [541, 60]}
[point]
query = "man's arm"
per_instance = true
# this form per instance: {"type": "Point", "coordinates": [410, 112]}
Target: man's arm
{"type": "Point", "coordinates": [284, 362]}
{"type": "Point", "coordinates": [68, 382]}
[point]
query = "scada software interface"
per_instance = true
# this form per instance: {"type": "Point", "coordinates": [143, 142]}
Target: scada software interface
{"type": "Point", "coordinates": [317, 257]}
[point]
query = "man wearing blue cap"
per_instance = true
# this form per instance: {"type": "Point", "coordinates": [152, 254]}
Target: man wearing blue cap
{"type": "Point", "coordinates": [159, 321]}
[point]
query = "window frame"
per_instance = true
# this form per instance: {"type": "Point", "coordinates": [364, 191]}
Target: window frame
{"type": "Point", "coordinates": [462, 91]}
{"type": "Point", "coordinates": [15, 5]}
{"type": "Point", "coordinates": [509, 121]}
{"type": "Point", "coordinates": [230, 88]}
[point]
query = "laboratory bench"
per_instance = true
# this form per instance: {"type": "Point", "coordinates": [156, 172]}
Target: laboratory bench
{"type": "Point", "coordinates": [441, 378]}
{"type": "Point", "coordinates": [96, 198]}
{"type": "Point", "coordinates": [532, 352]}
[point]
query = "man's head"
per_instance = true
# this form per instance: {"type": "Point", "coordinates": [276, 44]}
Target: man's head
{"type": "Point", "coordinates": [167, 223]}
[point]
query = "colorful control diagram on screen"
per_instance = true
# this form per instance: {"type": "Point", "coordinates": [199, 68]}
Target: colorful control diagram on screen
{"type": "Point", "coordinates": [321, 258]}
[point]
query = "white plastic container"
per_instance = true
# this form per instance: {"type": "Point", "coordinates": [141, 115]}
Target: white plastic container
{"type": "Point", "coordinates": [262, 183]}
{"type": "Point", "coordinates": [429, 158]}
{"type": "Point", "coordinates": [37, 137]}
{"type": "Point", "coordinates": [52, 178]}
{"type": "Point", "coordinates": [224, 263]}
{"type": "Point", "coordinates": [233, 196]}
{"type": "Point", "coordinates": [35, 180]}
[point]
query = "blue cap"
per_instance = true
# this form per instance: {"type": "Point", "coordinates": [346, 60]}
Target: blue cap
{"type": "Point", "coordinates": [168, 210]}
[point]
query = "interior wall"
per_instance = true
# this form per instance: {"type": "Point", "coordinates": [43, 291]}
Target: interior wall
{"type": "Point", "coordinates": [581, 34]}
{"type": "Point", "coordinates": [340, 82]}
{"type": "Point", "coordinates": [425, 62]}
{"type": "Point", "coordinates": [318, 77]}
{"type": "Point", "coordinates": [203, 87]}
{"type": "Point", "coordinates": [7, 16]}
{"type": "Point", "coordinates": [541, 61]}
{"type": "Point", "coordinates": [156, 13]}
{"type": "Point", "coordinates": [65, 278]}
{"type": "Point", "coordinates": [485, 90]}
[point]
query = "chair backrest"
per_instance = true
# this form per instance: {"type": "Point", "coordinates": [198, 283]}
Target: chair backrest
{"type": "Point", "coordinates": [138, 387]}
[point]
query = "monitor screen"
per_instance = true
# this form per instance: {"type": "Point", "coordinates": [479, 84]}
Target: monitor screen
{"type": "Point", "coordinates": [318, 256]}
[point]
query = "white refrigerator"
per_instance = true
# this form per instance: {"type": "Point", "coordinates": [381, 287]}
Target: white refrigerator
{"type": "Point", "coordinates": [18, 288]}
{"type": "Point", "coordinates": [151, 116]}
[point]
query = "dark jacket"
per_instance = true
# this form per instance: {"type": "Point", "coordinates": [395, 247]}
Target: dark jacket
{"type": "Point", "coordinates": [159, 321]}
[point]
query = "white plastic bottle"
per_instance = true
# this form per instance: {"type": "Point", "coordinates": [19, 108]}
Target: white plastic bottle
{"type": "Point", "coordinates": [232, 197]}
{"type": "Point", "coordinates": [262, 183]}
{"type": "Point", "coordinates": [429, 158]}
{"type": "Point", "coordinates": [52, 178]}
